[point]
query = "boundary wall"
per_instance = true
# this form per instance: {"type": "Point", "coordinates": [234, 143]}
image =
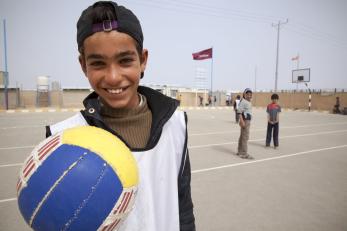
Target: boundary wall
{"type": "Point", "coordinates": [73, 98]}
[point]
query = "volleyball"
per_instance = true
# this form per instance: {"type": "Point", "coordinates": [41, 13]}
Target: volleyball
{"type": "Point", "coordinates": [83, 178]}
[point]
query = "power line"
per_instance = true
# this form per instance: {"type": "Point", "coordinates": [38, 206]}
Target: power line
{"type": "Point", "coordinates": [228, 11]}
{"type": "Point", "coordinates": [180, 6]}
{"type": "Point", "coordinates": [204, 11]}
{"type": "Point", "coordinates": [232, 14]}
{"type": "Point", "coordinates": [318, 32]}
{"type": "Point", "coordinates": [318, 37]}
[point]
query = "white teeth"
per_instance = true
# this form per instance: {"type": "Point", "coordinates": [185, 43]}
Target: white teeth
{"type": "Point", "coordinates": [115, 91]}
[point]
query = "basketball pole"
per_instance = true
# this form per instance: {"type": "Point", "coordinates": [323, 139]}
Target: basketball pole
{"type": "Point", "coordinates": [309, 97]}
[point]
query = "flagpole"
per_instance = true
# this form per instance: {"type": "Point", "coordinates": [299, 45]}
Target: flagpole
{"type": "Point", "coordinates": [212, 72]}
{"type": "Point", "coordinates": [297, 67]}
{"type": "Point", "coordinates": [6, 70]}
{"type": "Point", "coordinates": [202, 55]}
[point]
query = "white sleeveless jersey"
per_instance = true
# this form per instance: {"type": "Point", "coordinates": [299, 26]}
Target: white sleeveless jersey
{"type": "Point", "coordinates": [156, 205]}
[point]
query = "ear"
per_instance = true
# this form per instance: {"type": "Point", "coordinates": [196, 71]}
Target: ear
{"type": "Point", "coordinates": [82, 61]}
{"type": "Point", "coordinates": [144, 59]}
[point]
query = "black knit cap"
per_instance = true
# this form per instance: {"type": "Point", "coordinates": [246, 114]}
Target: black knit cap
{"type": "Point", "coordinates": [125, 22]}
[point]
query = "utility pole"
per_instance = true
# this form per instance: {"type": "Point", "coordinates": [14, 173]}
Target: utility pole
{"type": "Point", "coordinates": [212, 71]}
{"type": "Point", "coordinates": [278, 25]}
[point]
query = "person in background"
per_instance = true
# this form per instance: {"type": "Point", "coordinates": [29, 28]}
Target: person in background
{"type": "Point", "coordinates": [336, 109]}
{"type": "Point", "coordinates": [236, 106]}
{"type": "Point", "coordinates": [179, 99]}
{"type": "Point", "coordinates": [201, 100]}
{"type": "Point", "coordinates": [228, 100]}
{"type": "Point", "coordinates": [245, 112]}
{"type": "Point", "coordinates": [273, 110]}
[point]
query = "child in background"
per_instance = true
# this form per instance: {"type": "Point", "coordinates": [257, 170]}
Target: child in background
{"type": "Point", "coordinates": [273, 110]}
{"type": "Point", "coordinates": [236, 106]}
{"type": "Point", "coordinates": [245, 112]}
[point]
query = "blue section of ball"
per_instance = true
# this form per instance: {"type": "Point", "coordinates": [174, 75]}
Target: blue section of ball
{"type": "Point", "coordinates": [45, 176]}
{"type": "Point", "coordinates": [83, 199]}
{"type": "Point", "coordinates": [100, 203]}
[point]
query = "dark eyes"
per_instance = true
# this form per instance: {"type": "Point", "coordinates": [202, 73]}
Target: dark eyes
{"type": "Point", "coordinates": [126, 60]}
{"type": "Point", "coordinates": [96, 63]}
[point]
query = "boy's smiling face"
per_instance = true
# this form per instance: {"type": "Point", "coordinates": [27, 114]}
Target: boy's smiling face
{"type": "Point", "coordinates": [113, 67]}
{"type": "Point", "coordinates": [248, 96]}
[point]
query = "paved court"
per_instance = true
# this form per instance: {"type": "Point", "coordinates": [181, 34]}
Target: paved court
{"type": "Point", "coordinates": [300, 186]}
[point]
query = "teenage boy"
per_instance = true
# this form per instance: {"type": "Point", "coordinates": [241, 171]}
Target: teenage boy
{"type": "Point", "coordinates": [273, 110]}
{"type": "Point", "coordinates": [110, 43]}
{"type": "Point", "coordinates": [245, 112]}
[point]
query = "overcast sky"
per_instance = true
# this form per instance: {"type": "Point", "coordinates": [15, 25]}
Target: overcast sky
{"type": "Point", "coordinates": [41, 40]}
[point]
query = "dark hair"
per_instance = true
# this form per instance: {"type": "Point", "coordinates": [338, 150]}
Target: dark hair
{"type": "Point", "coordinates": [238, 97]}
{"type": "Point", "coordinates": [103, 11]}
{"type": "Point", "coordinates": [274, 96]}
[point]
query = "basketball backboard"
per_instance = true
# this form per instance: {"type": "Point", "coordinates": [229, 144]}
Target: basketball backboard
{"type": "Point", "coordinates": [301, 75]}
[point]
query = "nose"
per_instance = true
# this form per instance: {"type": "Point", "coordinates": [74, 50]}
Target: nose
{"type": "Point", "coordinates": [113, 75]}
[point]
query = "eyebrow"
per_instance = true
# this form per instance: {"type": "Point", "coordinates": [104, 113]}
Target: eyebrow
{"type": "Point", "coordinates": [119, 55]}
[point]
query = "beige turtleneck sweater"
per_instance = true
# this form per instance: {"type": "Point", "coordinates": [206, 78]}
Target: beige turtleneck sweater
{"type": "Point", "coordinates": [133, 125]}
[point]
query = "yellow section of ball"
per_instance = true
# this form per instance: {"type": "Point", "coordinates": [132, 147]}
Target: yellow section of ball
{"type": "Point", "coordinates": [108, 147]}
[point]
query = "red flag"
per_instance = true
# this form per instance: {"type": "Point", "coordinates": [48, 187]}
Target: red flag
{"type": "Point", "coordinates": [201, 55]}
{"type": "Point", "coordinates": [295, 58]}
